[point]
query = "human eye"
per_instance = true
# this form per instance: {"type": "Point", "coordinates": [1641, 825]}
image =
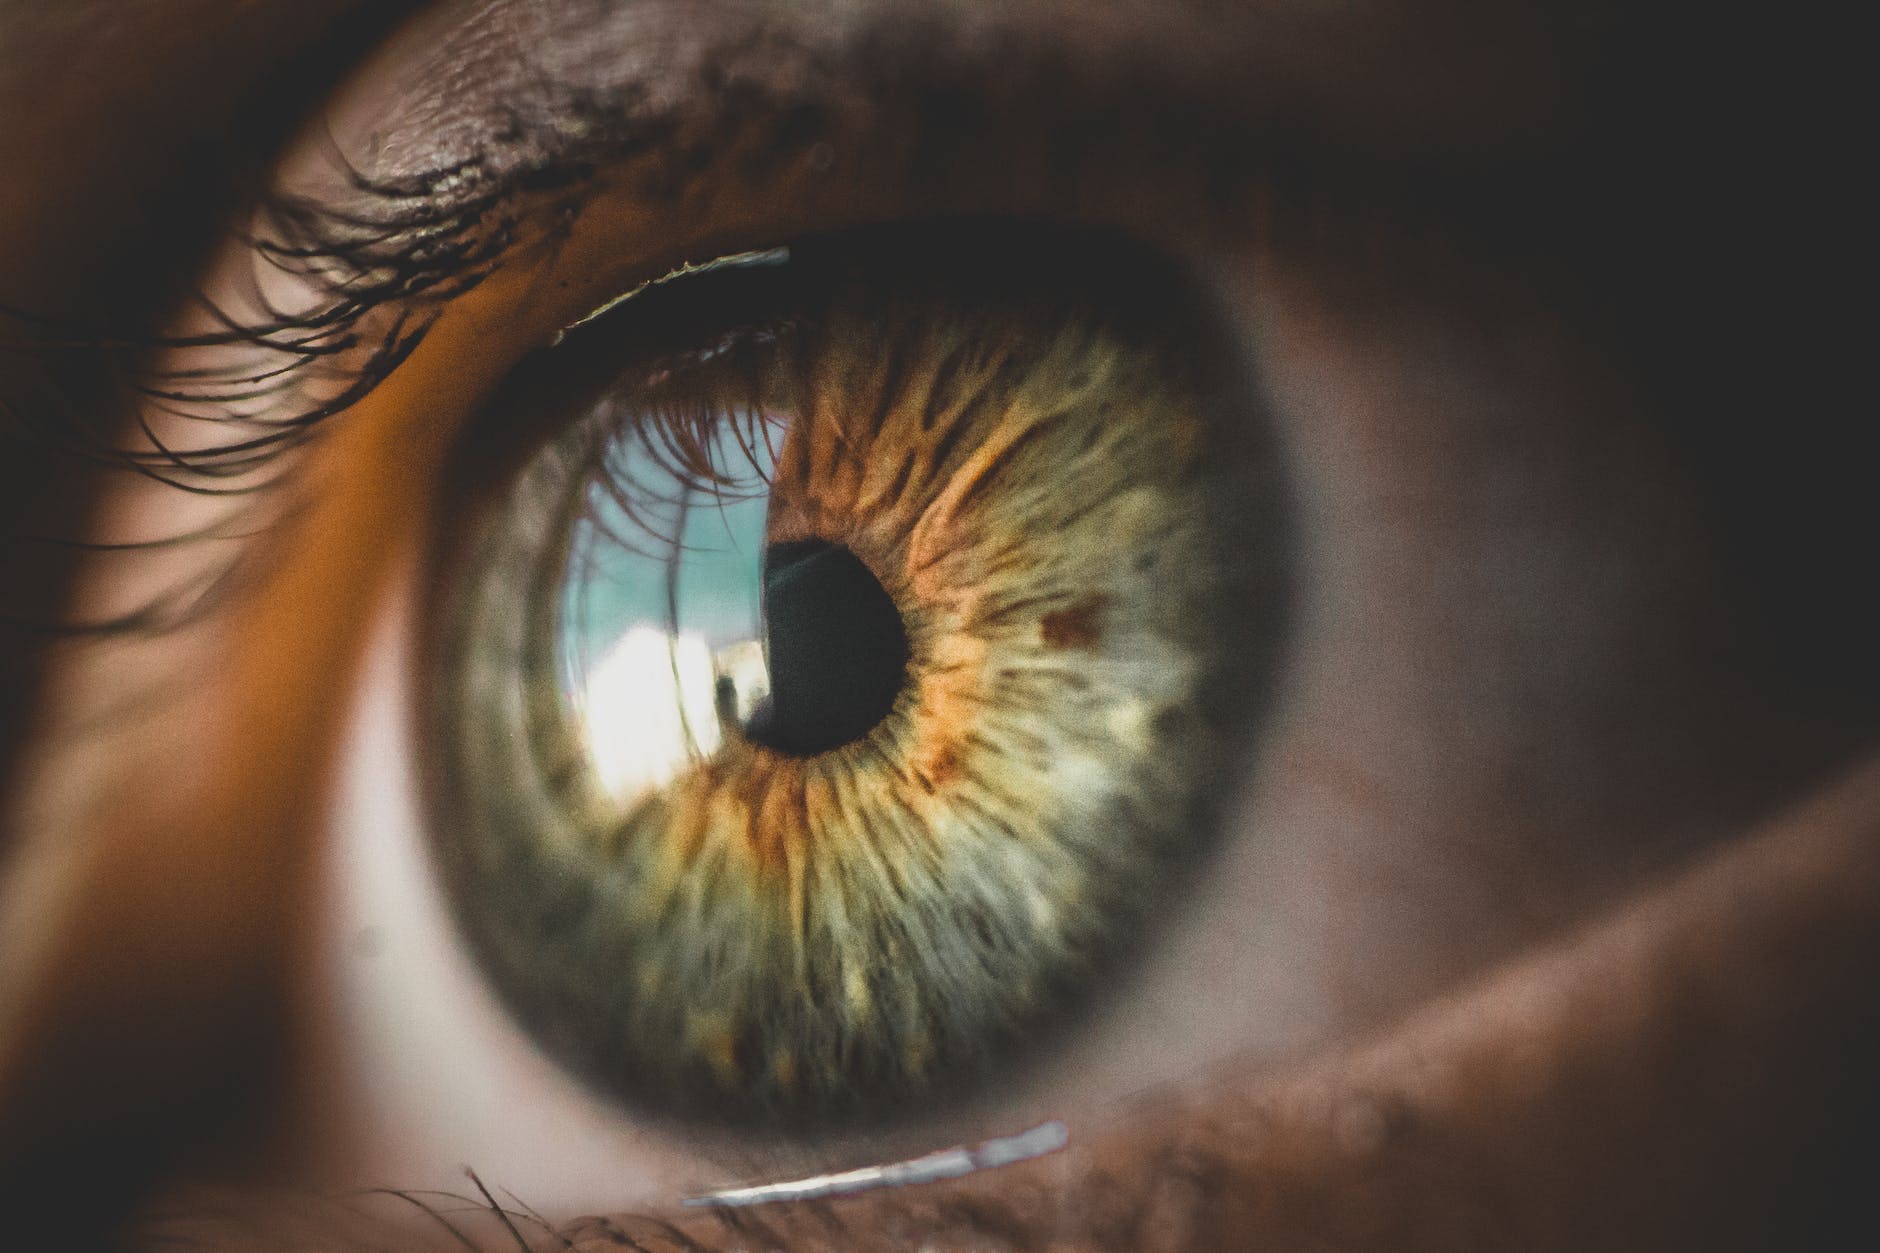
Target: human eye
{"type": "Point", "coordinates": [1494, 722]}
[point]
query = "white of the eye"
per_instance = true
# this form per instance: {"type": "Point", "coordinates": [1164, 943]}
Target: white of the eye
{"type": "Point", "coordinates": [416, 1071]}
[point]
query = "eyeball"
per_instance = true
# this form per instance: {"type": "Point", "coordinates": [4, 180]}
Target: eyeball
{"type": "Point", "coordinates": [835, 697]}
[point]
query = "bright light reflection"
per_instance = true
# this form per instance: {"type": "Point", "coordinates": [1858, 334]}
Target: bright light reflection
{"type": "Point", "coordinates": [663, 655]}
{"type": "Point", "coordinates": [656, 703]}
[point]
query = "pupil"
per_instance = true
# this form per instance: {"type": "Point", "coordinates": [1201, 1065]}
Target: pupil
{"type": "Point", "coordinates": [837, 649]}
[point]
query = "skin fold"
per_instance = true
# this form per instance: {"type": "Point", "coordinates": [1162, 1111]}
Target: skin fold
{"type": "Point", "coordinates": [1546, 907]}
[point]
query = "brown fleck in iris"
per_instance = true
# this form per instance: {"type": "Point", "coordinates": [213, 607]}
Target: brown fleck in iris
{"type": "Point", "coordinates": [1077, 626]}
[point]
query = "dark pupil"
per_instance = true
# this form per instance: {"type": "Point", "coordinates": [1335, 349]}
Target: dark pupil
{"type": "Point", "coordinates": [837, 649]}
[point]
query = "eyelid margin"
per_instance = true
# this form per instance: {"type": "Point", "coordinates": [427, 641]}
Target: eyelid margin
{"type": "Point", "coordinates": [1413, 1139]}
{"type": "Point", "coordinates": [1412, 1127]}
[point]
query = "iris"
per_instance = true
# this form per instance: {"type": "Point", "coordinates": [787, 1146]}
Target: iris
{"type": "Point", "coordinates": [834, 698]}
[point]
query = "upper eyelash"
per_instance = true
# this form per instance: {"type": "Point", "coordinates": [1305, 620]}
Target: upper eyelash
{"type": "Point", "coordinates": [387, 253]}
{"type": "Point", "coordinates": [399, 246]}
{"type": "Point", "coordinates": [411, 242]}
{"type": "Point", "coordinates": [402, 246]}
{"type": "Point", "coordinates": [380, 267]}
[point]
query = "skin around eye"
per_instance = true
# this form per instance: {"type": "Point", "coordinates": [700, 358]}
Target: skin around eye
{"type": "Point", "coordinates": [1072, 524]}
{"type": "Point", "coordinates": [1409, 823]}
{"type": "Point", "coordinates": [1515, 720]}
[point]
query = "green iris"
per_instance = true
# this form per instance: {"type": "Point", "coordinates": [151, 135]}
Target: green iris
{"type": "Point", "coordinates": [843, 687]}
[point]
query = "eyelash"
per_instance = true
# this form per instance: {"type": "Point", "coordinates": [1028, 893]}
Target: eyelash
{"type": "Point", "coordinates": [384, 256]}
{"type": "Point", "coordinates": [405, 249]}
{"type": "Point", "coordinates": [380, 270]}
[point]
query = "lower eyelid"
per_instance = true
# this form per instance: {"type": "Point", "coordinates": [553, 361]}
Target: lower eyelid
{"type": "Point", "coordinates": [1404, 1135]}
{"type": "Point", "coordinates": [1387, 1131]}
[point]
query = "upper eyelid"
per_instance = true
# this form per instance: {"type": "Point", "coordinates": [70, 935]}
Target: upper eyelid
{"type": "Point", "coordinates": [428, 213]}
{"type": "Point", "coordinates": [1251, 68]}
{"type": "Point", "coordinates": [1140, 77]}
{"type": "Point", "coordinates": [393, 246]}
{"type": "Point", "coordinates": [438, 198]}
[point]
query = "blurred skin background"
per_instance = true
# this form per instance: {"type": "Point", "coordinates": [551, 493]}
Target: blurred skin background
{"type": "Point", "coordinates": [1547, 913]}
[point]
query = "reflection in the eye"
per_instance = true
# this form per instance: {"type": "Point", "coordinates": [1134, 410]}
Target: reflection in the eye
{"type": "Point", "coordinates": [662, 622]}
{"type": "Point", "coordinates": [650, 709]}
